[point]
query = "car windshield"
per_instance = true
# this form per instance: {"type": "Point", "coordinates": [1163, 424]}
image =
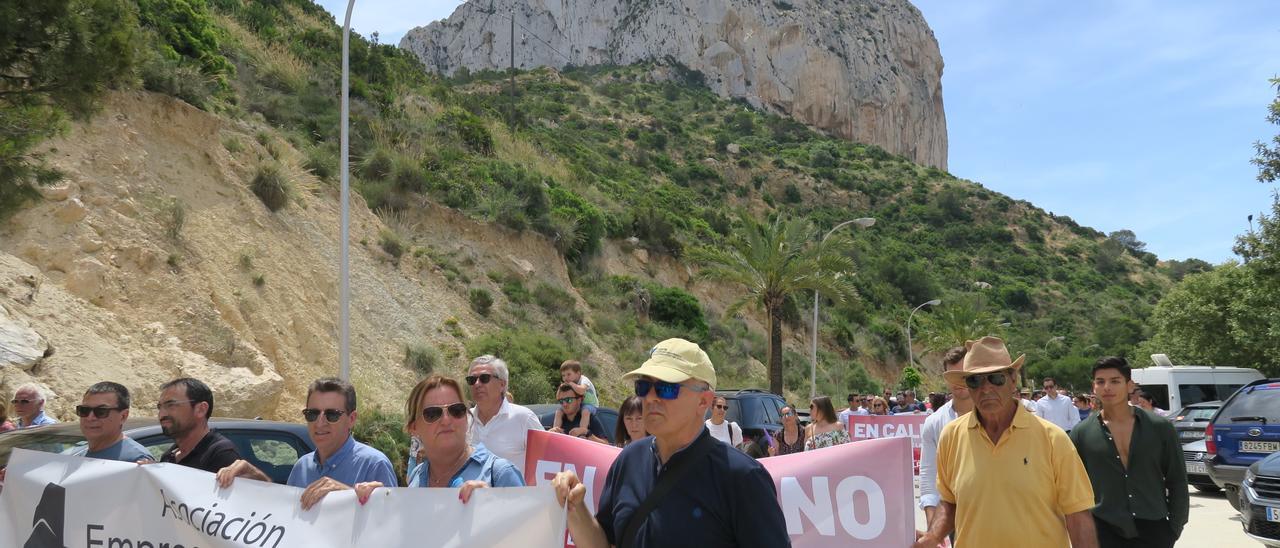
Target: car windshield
{"type": "Point", "coordinates": [1262, 400]}
{"type": "Point", "coordinates": [48, 442]}
{"type": "Point", "coordinates": [1197, 414]}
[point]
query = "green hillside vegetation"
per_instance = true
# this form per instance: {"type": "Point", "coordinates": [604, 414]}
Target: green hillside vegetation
{"type": "Point", "coordinates": [646, 156]}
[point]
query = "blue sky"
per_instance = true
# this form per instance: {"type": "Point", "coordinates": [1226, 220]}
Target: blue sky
{"type": "Point", "coordinates": [1137, 114]}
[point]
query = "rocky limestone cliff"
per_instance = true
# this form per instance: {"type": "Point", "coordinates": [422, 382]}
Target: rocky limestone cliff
{"type": "Point", "coordinates": [866, 70]}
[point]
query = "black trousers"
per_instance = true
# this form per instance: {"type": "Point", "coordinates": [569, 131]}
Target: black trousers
{"type": "Point", "coordinates": [1151, 534]}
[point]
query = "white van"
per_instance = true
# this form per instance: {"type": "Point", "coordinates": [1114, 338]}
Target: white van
{"type": "Point", "coordinates": [1176, 386]}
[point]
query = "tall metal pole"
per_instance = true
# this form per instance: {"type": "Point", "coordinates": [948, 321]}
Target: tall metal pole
{"type": "Point", "coordinates": [511, 115]}
{"type": "Point", "coordinates": [344, 274]}
{"type": "Point", "coordinates": [813, 357]}
{"type": "Point", "coordinates": [863, 222]}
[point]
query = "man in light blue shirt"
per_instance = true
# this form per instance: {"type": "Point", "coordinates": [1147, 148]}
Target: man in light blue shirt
{"type": "Point", "coordinates": [339, 461]}
{"type": "Point", "coordinates": [102, 413]}
{"type": "Point", "coordinates": [28, 405]}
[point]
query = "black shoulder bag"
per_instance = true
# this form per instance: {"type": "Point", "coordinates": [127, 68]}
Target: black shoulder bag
{"type": "Point", "coordinates": [666, 483]}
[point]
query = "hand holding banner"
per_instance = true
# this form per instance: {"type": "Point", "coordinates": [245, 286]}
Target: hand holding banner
{"type": "Point", "coordinates": [856, 494]}
{"type": "Point", "coordinates": [52, 501]}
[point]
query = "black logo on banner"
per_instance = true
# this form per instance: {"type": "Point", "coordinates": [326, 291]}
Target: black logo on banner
{"type": "Point", "coordinates": [46, 524]}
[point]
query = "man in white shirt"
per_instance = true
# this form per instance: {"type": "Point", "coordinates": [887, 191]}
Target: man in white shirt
{"type": "Point", "coordinates": [1057, 408]}
{"type": "Point", "coordinates": [856, 407]}
{"type": "Point", "coordinates": [931, 432]}
{"type": "Point", "coordinates": [500, 425]}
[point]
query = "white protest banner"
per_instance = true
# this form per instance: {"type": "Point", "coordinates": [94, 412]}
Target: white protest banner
{"type": "Point", "coordinates": [855, 494]}
{"type": "Point", "coordinates": [57, 501]}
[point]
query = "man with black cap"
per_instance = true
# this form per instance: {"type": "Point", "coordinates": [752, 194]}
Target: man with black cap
{"type": "Point", "coordinates": [682, 487]}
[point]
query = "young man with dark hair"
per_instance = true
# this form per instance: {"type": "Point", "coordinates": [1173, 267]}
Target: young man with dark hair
{"type": "Point", "coordinates": [102, 413]}
{"type": "Point", "coordinates": [339, 461]}
{"type": "Point", "coordinates": [1135, 464]}
{"type": "Point", "coordinates": [184, 410]}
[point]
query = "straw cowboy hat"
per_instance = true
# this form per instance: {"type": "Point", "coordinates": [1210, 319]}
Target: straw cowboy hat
{"type": "Point", "coordinates": [985, 355]}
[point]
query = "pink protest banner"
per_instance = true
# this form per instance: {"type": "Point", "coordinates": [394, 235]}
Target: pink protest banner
{"type": "Point", "coordinates": [856, 494]}
{"type": "Point", "coordinates": [870, 427]}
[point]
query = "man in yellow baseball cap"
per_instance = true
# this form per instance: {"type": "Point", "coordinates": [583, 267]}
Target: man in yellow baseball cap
{"type": "Point", "coordinates": [679, 487]}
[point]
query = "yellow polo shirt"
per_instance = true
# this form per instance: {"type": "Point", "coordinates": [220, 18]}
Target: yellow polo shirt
{"type": "Point", "coordinates": [1015, 492]}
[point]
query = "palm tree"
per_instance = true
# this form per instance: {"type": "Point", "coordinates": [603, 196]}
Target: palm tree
{"type": "Point", "coordinates": [772, 261]}
{"type": "Point", "coordinates": [958, 320]}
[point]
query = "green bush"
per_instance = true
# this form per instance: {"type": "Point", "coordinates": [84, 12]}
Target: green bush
{"type": "Point", "coordinates": [791, 194]}
{"type": "Point", "coordinates": [321, 161]}
{"type": "Point", "coordinates": [376, 165]}
{"type": "Point", "coordinates": [555, 302]}
{"type": "Point", "coordinates": [385, 432]}
{"type": "Point", "coordinates": [515, 291]}
{"type": "Point", "coordinates": [391, 243]}
{"type": "Point", "coordinates": [481, 300]}
{"type": "Point", "coordinates": [679, 309]}
{"type": "Point", "coordinates": [469, 128]}
{"type": "Point", "coordinates": [272, 186]}
{"type": "Point", "coordinates": [178, 78]}
{"type": "Point", "coordinates": [421, 357]}
{"type": "Point", "coordinates": [187, 31]}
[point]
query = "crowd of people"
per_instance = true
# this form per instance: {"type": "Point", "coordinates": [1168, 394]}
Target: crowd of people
{"type": "Point", "coordinates": [1091, 469]}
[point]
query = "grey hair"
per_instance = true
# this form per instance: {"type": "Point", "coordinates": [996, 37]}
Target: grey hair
{"type": "Point", "coordinates": [33, 388]}
{"type": "Point", "coordinates": [499, 366]}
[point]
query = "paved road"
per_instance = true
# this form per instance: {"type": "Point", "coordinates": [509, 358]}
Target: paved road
{"type": "Point", "coordinates": [1213, 523]}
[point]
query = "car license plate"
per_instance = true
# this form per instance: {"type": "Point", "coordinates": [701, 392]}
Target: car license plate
{"type": "Point", "coordinates": [1273, 514]}
{"type": "Point", "coordinates": [1259, 446]}
{"type": "Point", "coordinates": [1196, 468]}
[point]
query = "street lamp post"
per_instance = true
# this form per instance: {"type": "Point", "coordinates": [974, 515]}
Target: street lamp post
{"type": "Point", "coordinates": [911, 356]}
{"type": "Point", "coordinates": [1044, 351]}
{"type": "Point", "coordinates": [344, 274]}
{"type": "Point", "coordinates": [862, 222]}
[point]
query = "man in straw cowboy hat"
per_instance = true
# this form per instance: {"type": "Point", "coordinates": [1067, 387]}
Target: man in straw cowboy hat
{"type": "Point", "coordinates": [1007, 477]}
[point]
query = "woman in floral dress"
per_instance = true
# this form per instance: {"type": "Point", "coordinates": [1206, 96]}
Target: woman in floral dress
{"type": "Point", "coordinates": [825, 430]}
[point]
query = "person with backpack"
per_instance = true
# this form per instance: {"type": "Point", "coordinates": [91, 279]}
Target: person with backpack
{"type": "Point", "coordinates": [724, 430]}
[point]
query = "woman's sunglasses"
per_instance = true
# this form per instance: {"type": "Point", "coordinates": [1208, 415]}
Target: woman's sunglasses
{"type": "Point", "coordinates": [100, 412]}
{"type": "Point", "coordinates": [996, 379]}
{"type": "Point", "coordinates": [666, 390]}
{"type": "Point", "coordinates": [722, 407]}
{"type": "Point", "coordinates": [433, 413]}
{"type": "Point", "coordinates": [331, 415]}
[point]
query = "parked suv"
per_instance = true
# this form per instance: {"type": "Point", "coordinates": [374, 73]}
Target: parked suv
{"type": "Point", "coordinates": [754, 410]}
{"type": "Point", "coordinates": [271, 446]}
{"type": "Point", "coordinates": [1245, 429]}
{"type": "Point", "coordinates": [1260, 500]}
{"type": "Point", "coordinates": [1191, 420]}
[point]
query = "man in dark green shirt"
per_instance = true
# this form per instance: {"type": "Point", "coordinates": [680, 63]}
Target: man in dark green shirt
{"type": "Point", "coordinates": [1135, 464]}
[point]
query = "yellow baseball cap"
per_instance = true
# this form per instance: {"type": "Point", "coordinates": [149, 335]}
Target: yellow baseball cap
{"type": "Point", "coordinates": [676, 360]}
